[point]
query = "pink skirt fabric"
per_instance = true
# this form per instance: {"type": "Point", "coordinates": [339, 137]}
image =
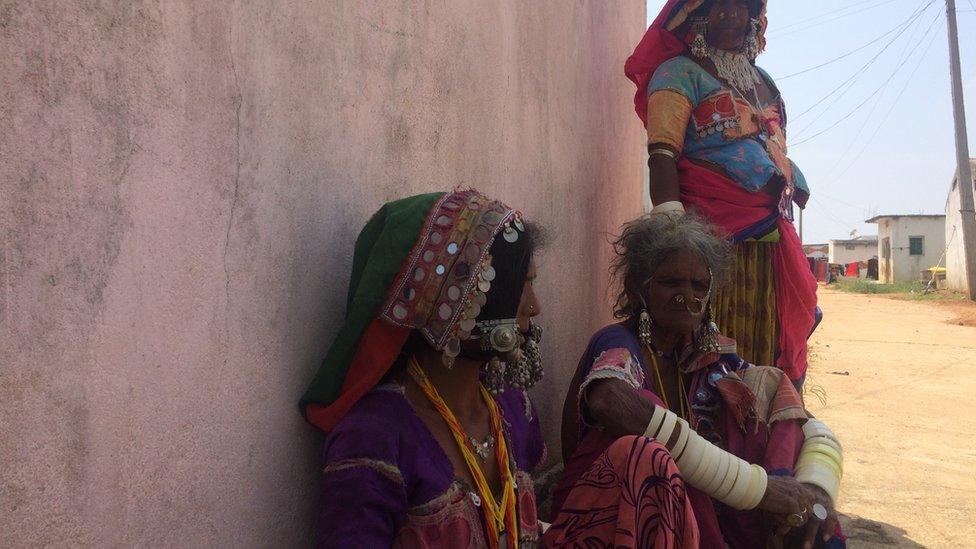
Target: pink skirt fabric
{"type": "Point", "coordinates": [632, 496]}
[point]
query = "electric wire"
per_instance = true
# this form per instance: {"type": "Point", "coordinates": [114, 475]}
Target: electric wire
{"type": "Point", "coordinates": [848, 54]}
{"type": "Point", "coordinates": [848, 83]}
{"type": "Point", "coordinates": [825, 14]}
{"type": "Point", "coordinates": [891, 109]}
{"type": "Point", "coordinates": [830, 214]}
{"type": "Point", "coordinates": [868, 98]}
{"type": "Point", "coordinates": [780, 34]}
{"type": "Point", "coordinates": [906, 53]}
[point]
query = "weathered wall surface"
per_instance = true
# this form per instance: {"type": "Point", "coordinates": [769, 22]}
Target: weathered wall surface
{"type": "Point", "coordinates": [841, 252]}
{"type": "Point", "coordinates": [181, 186]}
{"type": "Point", "coordinates": [904, 266]}
{"type": "Point", "coordinates": [955, 261]}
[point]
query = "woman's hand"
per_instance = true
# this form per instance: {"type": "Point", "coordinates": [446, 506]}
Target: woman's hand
{"type": "Point", "coordinates": [827, 525]}
{"type": "Point", "coordinates": [785, 496]}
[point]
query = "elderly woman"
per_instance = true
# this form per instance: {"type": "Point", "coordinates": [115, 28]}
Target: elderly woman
{"type": "Point", "coordinates": [716, 134]}
{"type": "Point", "coordinates": [430, 436]}
{"type": "Point", "coordinates": [730, 457]}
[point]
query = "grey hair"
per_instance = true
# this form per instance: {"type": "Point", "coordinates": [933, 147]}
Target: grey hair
{"type": "Point", "coordinates": [647, 241]}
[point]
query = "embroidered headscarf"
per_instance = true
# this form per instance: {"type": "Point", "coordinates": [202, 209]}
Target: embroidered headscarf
{"type": "Point", "coordinates": [421, 263]}
{"type": "Point", "coordinates": [668, 37]}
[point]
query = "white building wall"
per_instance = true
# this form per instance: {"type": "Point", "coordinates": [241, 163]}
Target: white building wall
{"type": "Point", "coordinates": [905, 267]}
{"type": "Point", "coordinates": [884, 261]}
{"type": "Point", "coordinates": [863, 251]}
{"type": "Point", "coordinates": [955, 261]}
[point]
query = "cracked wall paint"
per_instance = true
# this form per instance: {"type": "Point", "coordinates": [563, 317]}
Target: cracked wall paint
{"type": "Point", "coordinates": [181, 187]}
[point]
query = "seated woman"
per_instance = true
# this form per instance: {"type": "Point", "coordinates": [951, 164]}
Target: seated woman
{"type": "Point", "coordinates": [430, 435]}
{"type": "Point", "coordinates": [669, 437]}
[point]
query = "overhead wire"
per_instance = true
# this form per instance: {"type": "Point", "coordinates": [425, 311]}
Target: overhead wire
{"type": "Point", "coordinates": [906, 52]}
{"type": "Point", "coordinates": [831, 215]}
{"type": "Point", "coordinates": [891, 108]}
{"type": "Point", "coordinates": [780, 33]}
{"type": "Point", "coordinates": [848, 83]}
{"type": "Point", "coordinates": [869, 97]}
{"type": "Point", "coordinates": [846, 55]}
{"type": "Point", "coordinates": [786, 27]}
{"type": "Point", "coordinates": [825, 14]}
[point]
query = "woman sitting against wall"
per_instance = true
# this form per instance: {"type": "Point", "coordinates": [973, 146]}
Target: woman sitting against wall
{"type": "Point", "coordinates": [431, 436]}
{"type": "Point", "coordinates": [670, 438]}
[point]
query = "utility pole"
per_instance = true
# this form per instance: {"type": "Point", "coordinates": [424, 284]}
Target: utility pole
{"type": "Point", "coordinates": [964, 172]}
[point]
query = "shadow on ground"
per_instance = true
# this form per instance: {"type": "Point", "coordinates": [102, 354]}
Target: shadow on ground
{"type": "Point", "coordinates": [866, 533]}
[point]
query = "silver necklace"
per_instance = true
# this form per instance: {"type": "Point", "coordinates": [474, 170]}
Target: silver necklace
{"type": "Point", "coordinates": [735, 68]}
{"type": "Point", "coordinates": [483, 448]}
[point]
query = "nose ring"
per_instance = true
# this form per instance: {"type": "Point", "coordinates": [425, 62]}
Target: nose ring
{"type": "Point", "coordinates": [679, 298]}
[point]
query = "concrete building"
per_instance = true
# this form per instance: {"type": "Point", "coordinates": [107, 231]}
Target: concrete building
{"type": "Point", "coordinates": [861, 248]}
{"type": "Point", "coordinates": [955, 261]}
{"type": "Point", "coordinates": [907, 244]}
{"type": "Point", "coordinates": [816, 251]}
{"type": "Point", "coordinates": [182, 186]}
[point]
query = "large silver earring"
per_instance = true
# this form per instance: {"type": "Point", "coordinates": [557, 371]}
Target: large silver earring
{"type": "Point", "coordinates": [707, 340]}
{"type": "Point", "coordinates": [751, 45]}
{"type": "Point", "coordinates": [525, 364]}
{"type": "Point", "coordinates": [644, 328]}
{"type": "Point", "coordinates": [495, 375]}
{"type": "Point", "coordinates": [699, 46]}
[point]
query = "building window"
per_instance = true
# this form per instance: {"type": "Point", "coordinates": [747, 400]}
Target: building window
{"type": "Point", "coordinates": [915, 245]}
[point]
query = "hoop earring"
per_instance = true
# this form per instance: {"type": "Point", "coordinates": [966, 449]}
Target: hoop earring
{"type": "Point", "coordinates": [699, 46]}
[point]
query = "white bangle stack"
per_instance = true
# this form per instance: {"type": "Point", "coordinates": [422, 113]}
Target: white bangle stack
{"type": "Point", "coordinates": [718, 473]}
{"type": "Point", "coordinates": [821, 461]}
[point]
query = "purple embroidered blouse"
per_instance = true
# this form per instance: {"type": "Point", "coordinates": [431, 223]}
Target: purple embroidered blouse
{"type": "Point", "coordinates": [387, 482]}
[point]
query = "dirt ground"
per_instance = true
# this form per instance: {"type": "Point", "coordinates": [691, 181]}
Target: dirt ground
{"type": "Point", "coordinates": [899, 379]}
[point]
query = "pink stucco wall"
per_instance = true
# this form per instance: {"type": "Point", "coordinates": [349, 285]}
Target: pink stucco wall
{"type": "Point", "coordinates": [181, 186]}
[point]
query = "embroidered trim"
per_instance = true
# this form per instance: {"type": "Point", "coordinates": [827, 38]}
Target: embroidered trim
{"type": "Point", "coordinates": [448, 497]}
{"type": "Point", "coordinates": [388, 470]}
{"type": "Point", "coordinates": [616, 363]}
{"type": "Point", "coordinates": [438, 279]}
{"type": "Point", "coordinates": [716, 114]}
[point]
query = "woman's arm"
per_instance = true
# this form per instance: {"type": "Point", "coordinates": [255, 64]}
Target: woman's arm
{"type": "Point", "coordinates": [363, 504]}
{"type": "Point", "coordinates": [364, 494]}
{"type": "Point", "coordinates": [617, 408]}
{"type": "Point", "coordinates": [663, 174]}
{"type": "Point", "coordinates": [668, 114]}
{"type": "Point", "coordinates": [620, 410]}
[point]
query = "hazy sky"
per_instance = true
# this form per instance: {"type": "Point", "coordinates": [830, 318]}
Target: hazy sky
{"type": "Point", "coordinates": [891, 155]}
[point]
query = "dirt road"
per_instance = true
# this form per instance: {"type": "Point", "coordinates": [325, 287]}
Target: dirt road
{"type": "Point", "coordinates": [900, 386]}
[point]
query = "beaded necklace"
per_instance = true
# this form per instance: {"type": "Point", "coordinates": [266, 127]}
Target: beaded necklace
{"type": "Point", "coordinates": [684, 409]}
{"type": "Point", "coordinates": [499, 519]}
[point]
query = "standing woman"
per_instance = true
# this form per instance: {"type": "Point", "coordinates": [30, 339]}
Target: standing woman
{"type": "Point", "coordinates": [716, 133]}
